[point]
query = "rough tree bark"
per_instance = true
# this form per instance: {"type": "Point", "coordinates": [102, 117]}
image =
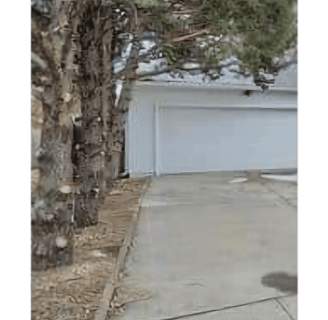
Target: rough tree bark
{"type": "Point", "coordinates": [79, 141]}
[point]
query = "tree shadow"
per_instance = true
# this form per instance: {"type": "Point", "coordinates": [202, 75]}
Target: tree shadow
{"type": "Point", "coordinates": [280, 281]}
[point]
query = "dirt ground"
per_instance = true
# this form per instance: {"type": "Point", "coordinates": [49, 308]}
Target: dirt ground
{"type": "Point", "coordinates": [81, 290]}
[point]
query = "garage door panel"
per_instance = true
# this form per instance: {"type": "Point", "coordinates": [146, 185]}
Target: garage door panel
{"type": "Point", "coordinates": [199, 140]}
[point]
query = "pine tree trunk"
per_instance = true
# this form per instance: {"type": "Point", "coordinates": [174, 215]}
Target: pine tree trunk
{"type": "Point", "coordinates": [82, 138]}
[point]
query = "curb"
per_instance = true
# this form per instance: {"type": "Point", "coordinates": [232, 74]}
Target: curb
{"type": "Point", "coordinates": [105, 307]}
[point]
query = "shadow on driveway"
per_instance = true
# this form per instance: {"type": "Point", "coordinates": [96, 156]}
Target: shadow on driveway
{"type": "Point", "coordinates": [280, 281]}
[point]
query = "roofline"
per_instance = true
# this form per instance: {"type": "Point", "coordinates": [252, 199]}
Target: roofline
{"type": "Point", "coordinates": [212, 86]}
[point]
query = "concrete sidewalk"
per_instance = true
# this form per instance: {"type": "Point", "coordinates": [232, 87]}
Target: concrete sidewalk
{"type": "Point", "coordinates": [210, 249]}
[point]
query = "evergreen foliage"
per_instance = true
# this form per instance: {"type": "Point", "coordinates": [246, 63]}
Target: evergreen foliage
{"type": "Point", "coordinates": [267, 28]}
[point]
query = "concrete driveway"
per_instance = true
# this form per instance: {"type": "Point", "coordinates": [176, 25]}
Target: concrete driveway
{"type": "Point", "coordinates": [211, 249]}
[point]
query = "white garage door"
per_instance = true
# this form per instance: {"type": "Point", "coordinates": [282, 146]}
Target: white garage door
{"type": "Point", "coordinates": [216, 139]}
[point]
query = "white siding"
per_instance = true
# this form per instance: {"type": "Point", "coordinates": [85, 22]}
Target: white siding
{"type": "Point", "coordinates": [199, 128]}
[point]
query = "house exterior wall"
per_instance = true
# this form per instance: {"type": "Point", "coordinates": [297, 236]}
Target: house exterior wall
{"type": "Point", "coordinates": [189, 128]}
